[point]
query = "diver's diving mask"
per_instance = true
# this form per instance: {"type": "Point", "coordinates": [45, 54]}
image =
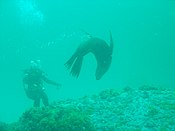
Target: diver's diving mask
{"type": "Point", "coordinates": [35, 64]}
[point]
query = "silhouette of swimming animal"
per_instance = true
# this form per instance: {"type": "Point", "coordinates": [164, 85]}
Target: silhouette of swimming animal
{"type": "Point", "coordinates": [99, 48]}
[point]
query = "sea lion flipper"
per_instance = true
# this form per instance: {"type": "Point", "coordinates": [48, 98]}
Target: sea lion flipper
{"type": "Point", "coordinates": [75, 71]}
{"type": "Point", "coordinates": [70, 62]}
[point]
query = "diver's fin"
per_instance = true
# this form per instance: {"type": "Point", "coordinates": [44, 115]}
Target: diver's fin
{"type": "Point", "coordinates": [75, 71]}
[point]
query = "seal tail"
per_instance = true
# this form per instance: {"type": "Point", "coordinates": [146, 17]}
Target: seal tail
{"type": "Point", "coordinates": [74, 63]}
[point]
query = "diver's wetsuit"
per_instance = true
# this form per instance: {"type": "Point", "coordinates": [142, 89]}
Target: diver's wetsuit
{"type": "Point", "coordinates": [33, 85]}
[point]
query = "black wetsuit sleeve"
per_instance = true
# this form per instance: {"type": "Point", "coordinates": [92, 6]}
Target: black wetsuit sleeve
{"type": "Point", "coordinates": [49, 81]}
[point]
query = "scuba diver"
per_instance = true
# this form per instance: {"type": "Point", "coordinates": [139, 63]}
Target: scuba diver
{"type": "Point", "coordinates": [33, 81]}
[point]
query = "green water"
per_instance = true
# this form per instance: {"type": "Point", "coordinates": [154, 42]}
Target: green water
{"type": "Point", "coordinates": [50, 30]}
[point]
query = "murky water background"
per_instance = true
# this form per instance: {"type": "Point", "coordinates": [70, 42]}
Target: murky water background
{"type": "Point", "coordinates": [144, 46]}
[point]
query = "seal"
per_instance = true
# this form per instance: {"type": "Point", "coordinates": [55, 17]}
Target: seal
{"type": "Point", "coordinates": [99, 48]}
